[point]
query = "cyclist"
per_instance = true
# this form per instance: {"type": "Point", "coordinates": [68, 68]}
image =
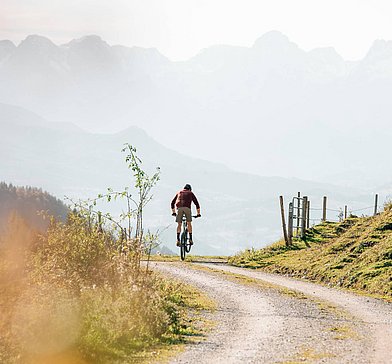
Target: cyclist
{"type": "Point", "coordinates": [182, 201]}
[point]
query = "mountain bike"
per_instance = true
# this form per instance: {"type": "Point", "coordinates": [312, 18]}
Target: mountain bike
{"type": "Point", "coordinates": [185, 245]}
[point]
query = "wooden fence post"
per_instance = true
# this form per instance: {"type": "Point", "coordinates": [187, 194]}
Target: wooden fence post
{"type": "Point", "coordinates": [324, 209]}
{"type": "Point", "coordinates": [304, 214]}
{"type": "Point", "coordinates": [375, 204]}
{"type": "Point", "coordinates": [345, 212]}
{"type": "Point", "coordinates": [290, 223]}
{"type": "Point", "coordinates": [308, 215]}
{"type": "Point", "coordinates": [298, 212]}
{"type": "Point", "coordinates": [286, 240]}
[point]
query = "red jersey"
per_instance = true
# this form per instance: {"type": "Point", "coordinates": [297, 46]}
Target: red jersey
{"type": "Point", "coordinates": [184, 198]}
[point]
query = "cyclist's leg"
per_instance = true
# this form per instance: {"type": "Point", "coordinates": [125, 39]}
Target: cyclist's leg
{"type": "Point", "coordinates": [188, 215]}
{"type": "Point", "coordinates": [178, 233]}
{"type": "Point", "coordinates": [190, 232]}
{"type": "Point", "coordinates": [179, 223]}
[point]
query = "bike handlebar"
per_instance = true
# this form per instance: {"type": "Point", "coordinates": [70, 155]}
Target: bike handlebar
{"type": "Point", "coordinates": [195, 216]}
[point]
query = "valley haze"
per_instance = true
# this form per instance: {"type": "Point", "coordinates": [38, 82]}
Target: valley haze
{"type": "Point", "coordinates": [267, 110]}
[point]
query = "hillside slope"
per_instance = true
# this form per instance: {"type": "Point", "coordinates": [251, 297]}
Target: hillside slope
{"type": "Point", "coordinates": [239, 210]}
{"type": "Point", "coordinates": [28, 202]}
{"type": "Point", "coordinates": [355, 254]}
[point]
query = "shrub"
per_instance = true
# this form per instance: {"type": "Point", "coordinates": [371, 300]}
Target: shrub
{"type": "Point", "coordinates": [77, 292]}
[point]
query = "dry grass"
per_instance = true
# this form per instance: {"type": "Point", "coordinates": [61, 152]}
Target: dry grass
{"type": "Point", "coordinates": [70, 296]}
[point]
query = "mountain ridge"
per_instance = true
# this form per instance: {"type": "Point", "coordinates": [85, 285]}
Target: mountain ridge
{"type": "Point", "coordinates": [271, 37]}
{"type": "Point", "coordinates": [239, 98]}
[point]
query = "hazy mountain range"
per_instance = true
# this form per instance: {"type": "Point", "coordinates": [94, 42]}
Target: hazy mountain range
{"type": "Point", "coordinates": [270, 109]}
{"type": "Point", "coordinates": [238, 210]}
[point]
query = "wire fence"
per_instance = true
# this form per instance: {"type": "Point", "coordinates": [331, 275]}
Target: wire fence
{"type": "Point", "coordinates": [362, 209]}
{"type": "Point", "coordinates": [302, 214]}
{"type": "Point", "coordinates": [338, 214]}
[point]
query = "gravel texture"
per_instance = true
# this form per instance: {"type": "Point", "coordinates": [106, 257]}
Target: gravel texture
{"type": "Point", "coordinates": [375, 315]}
{"type": "Point", "coordinates": [260, 323]}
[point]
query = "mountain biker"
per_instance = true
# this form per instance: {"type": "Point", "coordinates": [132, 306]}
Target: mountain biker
{"type": "Point", "coordinates": [182, 201]}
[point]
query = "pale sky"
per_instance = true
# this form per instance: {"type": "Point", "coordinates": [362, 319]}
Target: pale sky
{"type": "Point", "coordinates": [179, 29]}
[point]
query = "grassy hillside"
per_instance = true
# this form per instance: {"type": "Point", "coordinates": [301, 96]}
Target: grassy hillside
{"type": "Point", "coordinates": [355, 254]}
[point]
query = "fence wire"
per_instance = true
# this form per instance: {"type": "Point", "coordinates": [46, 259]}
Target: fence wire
{"type": "Point", "coordinates": [299, 218]}
{"type": "Point", "coordinates": [342, 209]}
{"type": "Point", "coordinates": [362, 209]}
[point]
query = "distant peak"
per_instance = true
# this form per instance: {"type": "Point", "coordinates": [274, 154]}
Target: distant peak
{"type": "Point", "coordinates": [37, 41]}
{"type": "Point", "coordinates": [7, 44]}
{"type": "Point", "coordinates": [272, 37]}
{"type": "Point", "coordinates": [6, 49]}
{"type": "Point", "coordinates": [380, 45]}
{"type": "Point", "coordinates": [133, 129]}
{"type": "Point", "coordinates": [88, 40]}
{"type": "Point", "coordinates": [379, 49]}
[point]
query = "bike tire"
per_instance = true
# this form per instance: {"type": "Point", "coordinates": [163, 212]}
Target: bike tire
{"type": "Point", "coordinates": [188, 246]}
{"type": "Point", "coordinates": [183, 246]}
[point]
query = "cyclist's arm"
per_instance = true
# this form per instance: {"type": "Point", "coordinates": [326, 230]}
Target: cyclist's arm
{"type": "Point", "coordinates": [173, 204]}
{"type": "Point", "coordinates": [194, 199]}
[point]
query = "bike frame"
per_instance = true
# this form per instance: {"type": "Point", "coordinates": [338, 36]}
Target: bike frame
{"type": "Point", "coordinates": [185, 246]}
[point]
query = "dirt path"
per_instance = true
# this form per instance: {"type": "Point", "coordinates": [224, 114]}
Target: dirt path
{"type": "Point", "coordinates": [375, 314]}
{"type": "Point", "coordinates": [259, 323]}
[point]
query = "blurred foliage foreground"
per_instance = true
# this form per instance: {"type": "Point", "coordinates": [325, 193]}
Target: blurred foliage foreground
{"type": "Point", "coordinates": [71, 296]}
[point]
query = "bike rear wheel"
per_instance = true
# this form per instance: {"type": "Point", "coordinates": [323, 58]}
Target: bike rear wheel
{"type": "Point", "coordinates": [183, 249]}
{"type": "Point", "coordinates": [188, 246]}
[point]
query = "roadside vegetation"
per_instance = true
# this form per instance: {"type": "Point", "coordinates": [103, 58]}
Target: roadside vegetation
{"type": "Point", "coordinates": [355, 253]}
{"type": "Point", "coordinates": [71, 294]}
{"type": "Point", "coordinates": [79, 292]}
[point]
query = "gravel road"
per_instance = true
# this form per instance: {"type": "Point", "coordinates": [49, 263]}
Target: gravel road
{"type": "Point", "coordinates": [260, 323]}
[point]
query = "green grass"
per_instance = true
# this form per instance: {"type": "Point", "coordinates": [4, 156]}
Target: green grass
{"type": "Point", "coordinates": [355, 253]}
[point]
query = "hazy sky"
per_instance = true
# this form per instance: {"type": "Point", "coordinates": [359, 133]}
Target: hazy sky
{"type": "Point", "coordinates": [180, 28]}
